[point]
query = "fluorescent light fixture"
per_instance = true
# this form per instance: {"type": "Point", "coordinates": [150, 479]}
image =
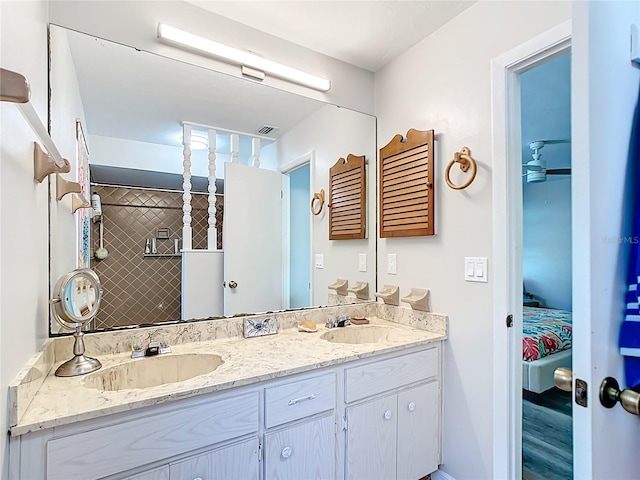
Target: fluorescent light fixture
{"type": "Point", "coordinates": [198, 142]}
{"type": "Point", "coordinates": [240, 57]}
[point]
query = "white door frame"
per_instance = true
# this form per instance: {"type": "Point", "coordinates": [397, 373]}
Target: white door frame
{"type": "Point", "coordinates": [308, 158]}
{"type": "Point", "coordinates": [507, 241]}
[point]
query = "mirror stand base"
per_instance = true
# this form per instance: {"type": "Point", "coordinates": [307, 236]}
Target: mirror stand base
{"type": "Point", "coordinates": [78, 365]}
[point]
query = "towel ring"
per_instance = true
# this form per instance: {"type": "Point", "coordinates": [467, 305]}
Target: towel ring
{"type": "Point", "coordinates": [465, 160]}
{"type": "Point", "coordinates": [320, 198]}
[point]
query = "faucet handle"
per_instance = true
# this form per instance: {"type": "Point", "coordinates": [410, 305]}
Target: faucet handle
{"type": "Point", "coordinates": [138, 345]}
{"type": "Point", "coordinates": [331, 322]}
{"type": "Point", "coordinates": [163, 342]}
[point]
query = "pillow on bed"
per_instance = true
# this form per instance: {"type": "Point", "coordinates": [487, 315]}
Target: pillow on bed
{"type": "Point", "coordinates": [545, 331]}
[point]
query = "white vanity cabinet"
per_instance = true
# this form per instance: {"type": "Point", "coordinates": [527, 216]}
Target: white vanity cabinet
{"type": "Point", "coordinates": [161, 473]}
{"type": "Point", "coordinates": [236, 462]}
{"type": "Point", "coordinates": [394, 435]}
{"type": "Point", "coordinates": [373, 418]}
{"type": "Point", "coordinates": [135, 444]}
{"type": "Point", "coordinates": [304, 451]}
{"type": "Point", "coordinates": [300, 440]}
{"type": "Point", "coordinates": [371, 439]}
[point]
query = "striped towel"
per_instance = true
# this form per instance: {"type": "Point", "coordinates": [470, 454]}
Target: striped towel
{"type": "Point", "coordinates": [630, 330]}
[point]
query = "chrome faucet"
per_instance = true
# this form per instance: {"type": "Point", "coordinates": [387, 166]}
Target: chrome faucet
{"type": "Point", "coordinates": [333, 322]}
{"type": "Point", "coordinates": [152, 348]}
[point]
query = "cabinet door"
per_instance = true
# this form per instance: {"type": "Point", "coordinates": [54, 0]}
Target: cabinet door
{"type": "Point", "coordinates": [305, 451]}
{"type": "Point", "coordinates": [161, 473]}
{"type": "Point", "coordinates": [236, 462]}
{"type": "Point", "coordinates": [371, 440]}
{"type": "Point", "coordinates": [418, 431]}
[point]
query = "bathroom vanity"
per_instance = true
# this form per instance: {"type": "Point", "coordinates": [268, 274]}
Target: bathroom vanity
{"type": "Point", "coordinates": [360, 402]}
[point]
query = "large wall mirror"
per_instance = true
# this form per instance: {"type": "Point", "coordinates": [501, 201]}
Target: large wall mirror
{"type": "Point", "coordinates": [118, 115]}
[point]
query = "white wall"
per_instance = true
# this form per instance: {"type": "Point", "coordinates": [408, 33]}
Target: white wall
{"type": "Point", "coordinates": [546, 241]}
{"type": "Point", "coordinates": [332, 133]}
{"type": "Point", "coordinates": [134, 23]}
{"type": "Point", "coordinates": [24, 271]}
{"type": "Point", "coordinates": [545, 97]}
{"type": "Point", "coordinates": [66, 107]}
{"type": "Point", "coordinates": [444, 83]}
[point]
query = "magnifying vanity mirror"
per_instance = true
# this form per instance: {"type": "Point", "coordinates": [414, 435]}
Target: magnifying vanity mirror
{"type": "Point", "coordinates": [131, 106]}
{"type": "Point", "coordinates": [75, 302]}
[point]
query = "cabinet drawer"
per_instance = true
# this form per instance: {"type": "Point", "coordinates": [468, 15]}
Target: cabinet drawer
{"type": "Point", "coordinates": [300, 399]}
{"type": "Point", "coordinates": [377, 377]}
{"type": "Point", "coordinates": [116, 448]}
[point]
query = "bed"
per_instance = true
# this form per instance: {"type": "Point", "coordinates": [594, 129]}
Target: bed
{"type": "Point", "coordinates": [546, 345]}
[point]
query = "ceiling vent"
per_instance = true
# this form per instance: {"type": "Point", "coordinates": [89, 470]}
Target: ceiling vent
{"type": "Point", "coordinates": [266, 130]}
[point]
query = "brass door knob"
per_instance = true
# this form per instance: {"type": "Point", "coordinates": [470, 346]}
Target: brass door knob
{"type": "Point", "coordinates": [563, 378]}
{"type": "Point", "coordinates": [610, 394]}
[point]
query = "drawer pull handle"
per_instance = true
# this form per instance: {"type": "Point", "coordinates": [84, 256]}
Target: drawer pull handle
{"type": "Point", "coordinates": [411, 406]}
{"type": "Point", "coordinates": [286, 452]}
{"type": "Point", "coordinates": [387, 415]}
{"type": "Point", "coordinates": [301, 399]}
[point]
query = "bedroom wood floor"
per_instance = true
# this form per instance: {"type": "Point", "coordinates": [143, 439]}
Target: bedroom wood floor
{"type": "Point", "coordinates": [547, 443]}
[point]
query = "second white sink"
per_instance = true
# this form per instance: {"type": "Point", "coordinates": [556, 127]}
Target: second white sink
{"type": "Point", "coordinates": [361, 334]}
{"type": "Point", "coordinates": [153, 371]}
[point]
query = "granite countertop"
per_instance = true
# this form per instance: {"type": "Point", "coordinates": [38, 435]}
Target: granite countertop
{"type": "Point", "coordinates": [60, 401]}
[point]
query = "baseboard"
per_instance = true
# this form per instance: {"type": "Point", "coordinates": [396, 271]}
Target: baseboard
{"type": "Point", "coordinates": [440, 475]}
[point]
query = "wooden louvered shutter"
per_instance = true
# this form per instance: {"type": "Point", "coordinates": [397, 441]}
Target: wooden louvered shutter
{"type": "Point", "coordinates": [347, 199]}
{"type": "Point", "coordinates": [406, 186]}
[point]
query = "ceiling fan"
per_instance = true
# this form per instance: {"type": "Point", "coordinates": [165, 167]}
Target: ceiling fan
{"type": "Point", "coordinates": [536, 169]}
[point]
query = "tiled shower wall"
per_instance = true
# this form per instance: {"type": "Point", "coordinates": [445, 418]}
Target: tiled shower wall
{"type": "Point", "coordinates": [137, 289]}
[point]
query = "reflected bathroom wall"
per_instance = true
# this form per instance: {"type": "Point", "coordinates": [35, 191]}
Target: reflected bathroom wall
{"type": "Point", "coordinates": [139, 288]}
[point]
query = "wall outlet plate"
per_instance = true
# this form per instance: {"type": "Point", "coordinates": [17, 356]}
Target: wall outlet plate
{"type": "Point", "coordinates": [258, 327]}
{"type": "Point", "coordinates": [392, 263]}
{"type": "Point", "coordinates": [362, 262]}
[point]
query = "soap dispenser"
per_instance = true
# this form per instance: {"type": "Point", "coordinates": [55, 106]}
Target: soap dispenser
{"type": "Point", "coordinates": [147, 247]}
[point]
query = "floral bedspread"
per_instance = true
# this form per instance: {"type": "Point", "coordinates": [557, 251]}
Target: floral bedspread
{"type": "Point", "coordinates": [544, 331]}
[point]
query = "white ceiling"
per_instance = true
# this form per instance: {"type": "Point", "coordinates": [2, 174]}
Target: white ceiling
{"type": "Point", "coordinates": [368, 34]}
{"type": "Point", "coordinates": [156, 94]}
{"type": "Point", "coordinates": [139, 96]}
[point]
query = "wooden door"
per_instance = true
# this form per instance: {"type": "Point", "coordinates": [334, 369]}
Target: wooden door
{"type": "Point", "coordinates": [604, 94]}
{"type": "Point", "coordinates": [306, 451]}
{"type": "Point", "coordinates": [371, 440]}
{"type": "Point", "coordinates": [252, 232]}
{"type": "Point", "coordinates": [418, 431]}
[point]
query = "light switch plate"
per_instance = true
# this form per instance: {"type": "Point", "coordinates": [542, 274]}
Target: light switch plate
{"type": "Point", "coordinates": [392, 264]}
{"type": "Point", "coordinates": [319, 260]}
{"type": "Point", "coordinates": [362, 262]}
{"type": "Point", "coordinates": [475, 269]}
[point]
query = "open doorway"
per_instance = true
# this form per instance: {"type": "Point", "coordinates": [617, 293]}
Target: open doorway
{"type": "Point", "coordinates": [299, 236]}
{"type": "Point", "coordinates": [545, 122]}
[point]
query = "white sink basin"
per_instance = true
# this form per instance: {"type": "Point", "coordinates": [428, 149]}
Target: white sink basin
{"type": "Point", "coordinates": [361, 334]}
{"type": "Point", "coordinates": [153, 371]}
